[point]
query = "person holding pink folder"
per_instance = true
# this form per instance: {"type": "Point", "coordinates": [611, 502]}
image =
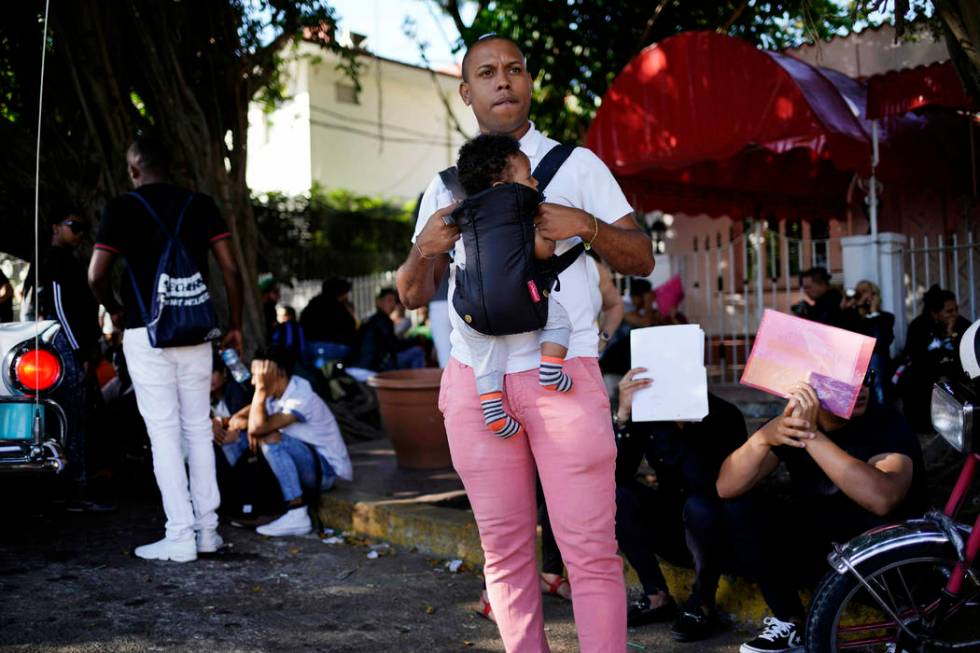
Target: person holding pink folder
{"type": "Point", "coordinates": [848, 475]}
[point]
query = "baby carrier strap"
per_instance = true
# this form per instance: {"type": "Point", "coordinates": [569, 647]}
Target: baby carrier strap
{"type": "Point", "coordinates": [450, 179]}
{"type": "Point", "coordinates": [552, 161]}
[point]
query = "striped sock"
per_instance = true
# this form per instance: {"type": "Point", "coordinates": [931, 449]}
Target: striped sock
{"type": "Point", "coordinates": [502, 424]}
{"type": "Point", "coordinates": [551, 375]}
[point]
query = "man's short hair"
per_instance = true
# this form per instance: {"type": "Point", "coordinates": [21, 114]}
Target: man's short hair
{"type": "Point", "coordinates": [384, 292]}
{"type": "Point", "coordinates": [336, 286]}
{"type": "Point", "coordinates": [936, 297]}
{"type": "Point", "coordinates": [281, 356]}
{"type": "Point", "coordinates": [483, 161]}
{"type": "Point", "coordinates": [817, 274]}
{"type": "Point", "coordinates": [149, 153]}
{"type": "Point", "coordinates": [486, 38]}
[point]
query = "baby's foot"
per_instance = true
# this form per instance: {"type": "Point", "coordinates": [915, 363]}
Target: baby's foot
{"type": "Point", "coordinates": [502, 424]}
{"type": "Point", "coordinates": [551, 375]}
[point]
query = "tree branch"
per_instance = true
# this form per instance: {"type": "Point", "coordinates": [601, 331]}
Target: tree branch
{"type": "Point", "coordinates": [641, 43]}
{"type": "Point", "coordinates": [723, 29]}
{"type": "Point", "coordinates": [452, 8]}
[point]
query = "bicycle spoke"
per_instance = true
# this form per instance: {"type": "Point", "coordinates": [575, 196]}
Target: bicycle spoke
{"type": "Point", "coordinates": [908, 592]}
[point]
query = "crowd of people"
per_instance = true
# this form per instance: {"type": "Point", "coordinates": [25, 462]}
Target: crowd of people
{"type": "Point", "coordinates": [563, 457]}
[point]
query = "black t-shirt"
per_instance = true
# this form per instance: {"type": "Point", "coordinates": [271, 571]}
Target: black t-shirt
{"type": "Point", "coordinates": [127, 229]}
{"type": "Point", "coordinates": [7, 307]}
{"type": "Point", "coordinates": [880, 430]}
{"type": "Point", "coordinates": [686, 459]}
{"type": "Point", "coordinates": [65, 296]}
{"type": "Point", "coordinates": [327, 320]}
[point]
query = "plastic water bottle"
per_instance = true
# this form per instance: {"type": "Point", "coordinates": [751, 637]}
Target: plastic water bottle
{"type": "Point", "coordinates": [234, 364]}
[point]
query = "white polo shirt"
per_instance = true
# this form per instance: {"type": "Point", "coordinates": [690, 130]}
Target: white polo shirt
{"type": "Point", "coordinates": [583, 182]}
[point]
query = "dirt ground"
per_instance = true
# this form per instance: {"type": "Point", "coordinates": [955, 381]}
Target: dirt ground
{"type": "Point", "coordinates": [69, 583]}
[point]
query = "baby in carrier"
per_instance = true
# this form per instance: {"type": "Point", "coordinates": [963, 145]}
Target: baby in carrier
{"type": "Point", "coordinates": [488, 168]}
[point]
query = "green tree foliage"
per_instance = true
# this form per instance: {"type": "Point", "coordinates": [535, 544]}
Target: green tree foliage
{"type": "Point", "coordinates": [956, 20]}
{"type": "Point", "coordinates": [330, 234]}
{"type": "Point", "coordinates": [186, 70]}
{"type": "Point", "coordinates": [575, 48]}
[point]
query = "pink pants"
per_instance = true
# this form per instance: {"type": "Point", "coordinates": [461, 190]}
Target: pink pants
{"type": "Point", "coordinates": [568, 437]}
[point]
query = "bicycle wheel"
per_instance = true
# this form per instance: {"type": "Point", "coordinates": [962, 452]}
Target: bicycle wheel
{"type": "Point", "coordinates": [844, 616]}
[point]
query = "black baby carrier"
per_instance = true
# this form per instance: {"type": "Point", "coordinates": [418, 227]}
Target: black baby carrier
{"type": "Point", "coordinates": [503, 289]}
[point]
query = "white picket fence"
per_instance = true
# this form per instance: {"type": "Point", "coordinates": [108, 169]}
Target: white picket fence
{"type": "Point", "coordinates": [363, 291]}
{"type": "Point", "coordinates": [952, 262]}
{"type": "Point", "coordinates": [729, 285]}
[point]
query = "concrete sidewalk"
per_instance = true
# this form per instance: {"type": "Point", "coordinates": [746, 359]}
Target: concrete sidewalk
{"type": "Point", "coordinates": [428, 511]}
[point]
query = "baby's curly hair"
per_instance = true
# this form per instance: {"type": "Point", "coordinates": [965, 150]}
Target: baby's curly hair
{"type": "Point", "coordinates": [483, 161]}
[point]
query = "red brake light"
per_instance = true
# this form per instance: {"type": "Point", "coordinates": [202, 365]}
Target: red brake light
{"type": "Point", "coordinates": [38, 370]}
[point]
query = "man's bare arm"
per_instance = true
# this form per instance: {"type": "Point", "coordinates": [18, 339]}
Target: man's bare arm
{"type": "Point", "coordinates": [621, 244]}
{"type": "Point", "coordinates": [878, 485]}
{"type": "Point", "coordinates": [100, 281]}
{"type": "Point", "coordinates": [233, 281]}
{"type": "Point", "coordinates": [420, 274]}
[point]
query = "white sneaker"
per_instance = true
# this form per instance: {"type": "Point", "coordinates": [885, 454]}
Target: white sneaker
{"type": "Point", "coordinates": [175, 550]}
{"type": "Point", "coordinates": [295, 522]}
{"type": "Point", "coordinates": [208, 541]}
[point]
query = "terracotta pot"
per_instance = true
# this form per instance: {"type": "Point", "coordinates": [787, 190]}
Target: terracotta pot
{"type": "Point", "coordinates": [410, 413]}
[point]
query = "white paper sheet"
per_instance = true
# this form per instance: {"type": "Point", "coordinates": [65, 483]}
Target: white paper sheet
{"type": "Point", "coordinates": [674, 358]}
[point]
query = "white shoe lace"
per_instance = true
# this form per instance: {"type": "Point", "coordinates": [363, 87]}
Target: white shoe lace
{"type": "Point", "coordinates": [775, 629]}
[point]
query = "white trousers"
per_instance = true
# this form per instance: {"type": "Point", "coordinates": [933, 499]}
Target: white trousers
{"type": "Point", "coordinates": [173, 388]}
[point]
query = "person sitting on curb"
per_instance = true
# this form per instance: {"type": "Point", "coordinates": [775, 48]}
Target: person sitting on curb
{"type": "Point", "coordinates": [298, 434]}
{"type": "Point", "coordinates": [848, 475]}
{"type": "Point", "coordinates": [683, 518]}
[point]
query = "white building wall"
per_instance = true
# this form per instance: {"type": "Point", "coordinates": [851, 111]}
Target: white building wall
{"type": "Point", "coordinates": [389, 144]}
{"type": "Point", "coordinates": [279, 157]}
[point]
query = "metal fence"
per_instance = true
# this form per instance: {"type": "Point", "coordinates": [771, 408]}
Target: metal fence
{"type": "Point", "coordinates": [363, 291]}
{"type": "Point", "coordinates": [952, 262]}
{"type": "Point", "coordinates": [729, 285]}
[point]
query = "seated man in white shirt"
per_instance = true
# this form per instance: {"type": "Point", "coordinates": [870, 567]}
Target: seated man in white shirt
{"type": "Point", "coordinates": [298, 435]}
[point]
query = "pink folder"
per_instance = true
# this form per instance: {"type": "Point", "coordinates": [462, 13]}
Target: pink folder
{"type": "Point", "coordinates": [789, 349]}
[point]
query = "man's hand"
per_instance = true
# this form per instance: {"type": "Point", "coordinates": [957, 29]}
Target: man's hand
{"type": "Point", "coordinates": [436, 236]}
{"type": "Point", "coordinates": [627, 387]}
{"type": "Point", "coordinates": [233, 340]}
{"type": "Point", "coordinates": [787, 429]}
{"type": "Point", "coordinates": [221, 434]}
{"type": "Point", "coordinates": [806, 404]}
{"type": "Point", "coordinates": [237, 423]}
{"type": "Point", "coordinates": [557, 222]}
{"type": "Point", "coordinates": [264, 374]}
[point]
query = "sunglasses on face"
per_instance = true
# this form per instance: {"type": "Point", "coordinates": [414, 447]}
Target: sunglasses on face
{"type": "Point", "coordinates": [76, 226]}
{"type": "Point", "coordinates": [869, 379]}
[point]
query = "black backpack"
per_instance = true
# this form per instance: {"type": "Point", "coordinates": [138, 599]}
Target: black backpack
{"type": "Point", "coordinates": [180, 312]}
{"type": "Point", "coordinates": [503, 288]}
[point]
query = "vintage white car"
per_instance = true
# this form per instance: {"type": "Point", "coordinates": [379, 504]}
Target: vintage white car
{"type": "Point", "coordinates": [32, 425]}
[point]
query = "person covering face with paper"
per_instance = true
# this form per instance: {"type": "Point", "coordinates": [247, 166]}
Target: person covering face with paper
{"type": "Point", "coordinates": [847, 476]}
{"type": "Point", "coordinates": [683, 520]}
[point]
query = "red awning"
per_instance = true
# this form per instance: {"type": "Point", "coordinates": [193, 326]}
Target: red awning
{"type": "Point", "coordinates": [706, 122]}
{"type": "Point", "coordinates": [704, 96]}
{"type": "Point", "coordinates": [900, 91]}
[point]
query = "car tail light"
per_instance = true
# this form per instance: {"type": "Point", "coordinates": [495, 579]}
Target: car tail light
{"type": "Point", "coordinates": [37, 370]}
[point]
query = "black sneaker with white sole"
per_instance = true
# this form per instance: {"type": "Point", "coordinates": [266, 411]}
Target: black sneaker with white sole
{"type": "Point", "coordinates": [776, 637]}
